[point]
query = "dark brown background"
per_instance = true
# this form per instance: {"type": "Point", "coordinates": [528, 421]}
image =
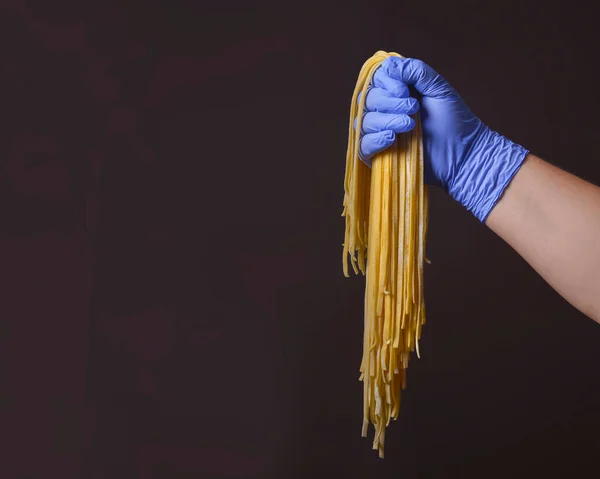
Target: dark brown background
{"type": "Point", "coordinates": [171, 297]}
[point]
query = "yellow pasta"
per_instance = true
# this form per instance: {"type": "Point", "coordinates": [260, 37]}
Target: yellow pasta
{"type": "Point", "coordinates": [386, 211]}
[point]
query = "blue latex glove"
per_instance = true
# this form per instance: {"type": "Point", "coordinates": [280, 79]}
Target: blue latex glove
{"type": "Point", "coordinates": [462, 155]}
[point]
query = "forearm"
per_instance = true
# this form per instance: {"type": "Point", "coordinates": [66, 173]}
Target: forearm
{"type": "Point", "coordinates": [552, 219]}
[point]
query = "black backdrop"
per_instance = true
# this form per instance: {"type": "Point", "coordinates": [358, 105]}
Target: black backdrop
{"type": "Point", "coordinates": [172, 302]}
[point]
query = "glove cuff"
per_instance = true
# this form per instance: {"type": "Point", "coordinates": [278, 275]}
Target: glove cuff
{"type": "Point", "coordinates": [479, 184]}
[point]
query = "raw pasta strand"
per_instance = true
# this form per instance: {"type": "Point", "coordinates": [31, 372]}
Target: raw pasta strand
{"type": "Point", "coordinates": [386, 212]}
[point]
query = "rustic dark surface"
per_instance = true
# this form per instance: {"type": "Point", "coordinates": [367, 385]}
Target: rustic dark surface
{"type": "Point", "coordinates": [171, 297]}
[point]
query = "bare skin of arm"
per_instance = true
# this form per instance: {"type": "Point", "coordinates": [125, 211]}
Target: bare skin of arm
{"type": "Point", "coordinates": [552, 219]}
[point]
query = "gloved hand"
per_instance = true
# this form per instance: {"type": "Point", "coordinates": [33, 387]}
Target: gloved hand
{"type": "Point", "coordinates": [462, 155]}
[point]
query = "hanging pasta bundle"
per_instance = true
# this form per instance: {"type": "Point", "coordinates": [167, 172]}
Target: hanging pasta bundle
{"type": "Point", "coordinates": [386, 211]}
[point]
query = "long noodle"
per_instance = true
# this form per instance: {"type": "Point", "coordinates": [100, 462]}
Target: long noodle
{"type": "Point", "coordinates": [386, 210]}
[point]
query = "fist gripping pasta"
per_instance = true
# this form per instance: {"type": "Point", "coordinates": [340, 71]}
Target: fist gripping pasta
{"type": "Point", "coordinates": [386, 225]}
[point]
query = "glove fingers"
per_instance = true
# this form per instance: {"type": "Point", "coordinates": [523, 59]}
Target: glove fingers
{"type": "Point", "coordinates": [415, 72]}
{"type": "Point", "coordinates": [382, 100]}
{"type": "Point", "coordinates": [396, 87]}
{"type": "Point", "coordinates": [369, 88]}
{"type": "Point", "coordinates": [375, 122]}
{"type": "Point", "coordinates": [373, 143]}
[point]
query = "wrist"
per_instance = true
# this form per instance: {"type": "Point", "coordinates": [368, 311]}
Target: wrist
{"type": "Point", "coordinates": [480, 181]}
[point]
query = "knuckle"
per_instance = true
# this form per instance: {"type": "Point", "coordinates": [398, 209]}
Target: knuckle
{"type": "Point", "coordinates": [418, 64]}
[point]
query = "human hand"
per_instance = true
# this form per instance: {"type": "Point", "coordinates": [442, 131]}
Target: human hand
{"type": "Point", "coordinates": [462, 155]}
